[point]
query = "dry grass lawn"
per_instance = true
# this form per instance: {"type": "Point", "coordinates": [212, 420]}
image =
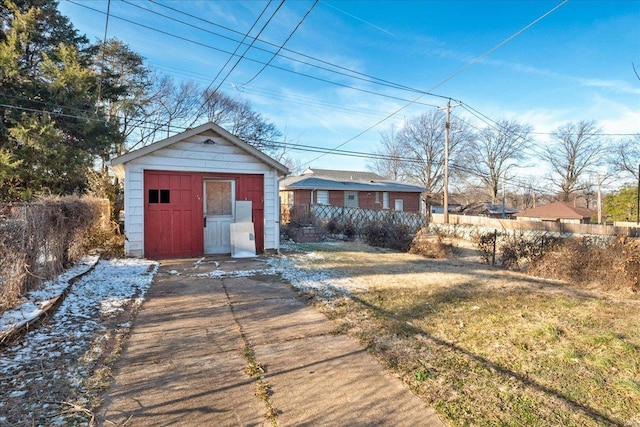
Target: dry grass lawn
{"type": "Point", "coordinates": [485, 346]}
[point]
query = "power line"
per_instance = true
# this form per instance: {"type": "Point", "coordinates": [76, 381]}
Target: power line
{"type": "Point", "coordinates": [371, 92]}
{"type": "Point", "coordinates": [353, 74]}
{"type": "Point", "coordinates": [447, 79]}
{"type": "Point", "coordinates": [208, 96]}
{"type": "Point", "coordinates": [282, 45]}
{"type": "Point", "coordinates": [499, 45]}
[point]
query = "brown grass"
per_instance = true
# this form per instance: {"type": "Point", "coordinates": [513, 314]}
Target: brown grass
{"type": "Point", "coordinates": [490, 347]}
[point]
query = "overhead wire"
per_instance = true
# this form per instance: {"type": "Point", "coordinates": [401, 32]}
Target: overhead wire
{"type": "Point", "coordinates": [475, 61]}
{"type": "Point", "coordinates": [464, 68]}
{"type": "Point", "coordinates": [348, 72]}
{"type": "Point", "coordinates": [414, 101]}
{"type": "Point", "coordinates": [233, 54]}
{"type": "Point", "coordinates": [275, 54]}
{"type": "Point", "coordinates": [364, 76]}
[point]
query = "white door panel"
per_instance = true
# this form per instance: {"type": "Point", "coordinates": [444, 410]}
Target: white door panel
{"type": "Point", "coordinates": [219, 211]}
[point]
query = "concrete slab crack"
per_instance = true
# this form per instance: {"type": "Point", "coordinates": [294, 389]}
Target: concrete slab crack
{"type": "Point", "coordinates": [254, 368]}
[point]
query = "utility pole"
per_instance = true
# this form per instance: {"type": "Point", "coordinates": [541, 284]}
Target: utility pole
{"type": "Point", "coordinates": [504, 184]}
{"type": "Point", "coordinates": [599, 200]}
{"type": "Point", "coordinates": [445, 201]}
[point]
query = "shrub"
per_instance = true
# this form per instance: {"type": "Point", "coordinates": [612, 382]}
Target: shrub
{"type": "Point", "coordinates": [486, 244]}
{"type": "Point", "coordinates": [39, 240]}
{"type": "Point", "coordinates": [586, 261]}
{"type": "Point", "coordinates": [387, 234]}
{"type": "Point", "coordinates": [344, 227]}
{"type": "Point", "coordinates": [430, 245]}
{"type": "Point", "coordinates": [520, 249]}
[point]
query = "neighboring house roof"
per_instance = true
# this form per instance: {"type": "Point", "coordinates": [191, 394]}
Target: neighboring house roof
{"type": "Point", "coordinates": [486, 208]}
{"type": "Point", "coordinates": [556, 211]}
{"type": "Point", "coordinates": [339, 175]}
{"type": "Point", "coordinates": [117, 163]}
{"type": "Point", "coordinates": [325, 179]}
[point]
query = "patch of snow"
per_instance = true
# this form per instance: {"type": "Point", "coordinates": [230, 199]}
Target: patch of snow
{"type": "Point", "coordinates": [293, 269]}
{"type": "Point", "coordinates": [62, 349]}
{"type": "Point", "coordinates": [218, 274]}
{"type": "Point", "coordinates": [33, 303]}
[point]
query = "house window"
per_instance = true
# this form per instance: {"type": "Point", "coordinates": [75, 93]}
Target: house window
{"type": "Point", "coordinates": [377, 197]}
{"type": "Point", "coordinates": [159, 196]}
{"type": "Point", "coordinates": [351, 199]}
{"type": "Point", "coordinates": [399, 205]}
{"type": "Point", "coordinates": [385, 200]}
{"type": "Point", "coordinates": [322, 197]}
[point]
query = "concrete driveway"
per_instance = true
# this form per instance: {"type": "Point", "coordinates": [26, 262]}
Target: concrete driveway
{"type": "Point", "coordinates": [205, 322]}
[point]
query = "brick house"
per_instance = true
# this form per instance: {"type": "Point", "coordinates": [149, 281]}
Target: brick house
{"type": "Point", "coordinates": [353, 189]}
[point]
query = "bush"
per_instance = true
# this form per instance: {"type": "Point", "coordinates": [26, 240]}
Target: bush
{"type": "Point", "coordinates": [39, 240]}
{"type": "Point", "coordinates": [346, 227]}
{"type": "Point", "coordinates": [430, 245]}
{"type": "Point", "coordinates": [520, 249]}
{"type": "Point", "coordinates": [486, 244]}
{"type": "Point", "coordinates": [387, 234]}
{"type": "Point", "coordinates": [586, 261]}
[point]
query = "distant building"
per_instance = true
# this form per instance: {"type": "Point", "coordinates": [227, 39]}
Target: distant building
{"type": "Point", "coordinates": [489, 210]}
{"type": "Point", "coordinates": [558, 212]}
{"type": "Point", "coordinates": [351, 189]}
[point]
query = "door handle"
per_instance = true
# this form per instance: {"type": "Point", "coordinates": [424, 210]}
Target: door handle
{"type": "Point", "coordinates": [205, 222]}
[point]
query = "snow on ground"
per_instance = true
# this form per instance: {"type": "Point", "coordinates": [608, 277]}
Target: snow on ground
{"type": "Point", "coordinates": [34, 302]}
{"type": "Point", "coordinates": [59, 354]}
{"type": "Point", "coordinates": [298, 270]}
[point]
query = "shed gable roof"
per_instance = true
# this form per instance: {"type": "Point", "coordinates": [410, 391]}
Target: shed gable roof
{"type": "Point", "coordinates": [555, 211]}
{"type": "Point", "coordinates": [117, 163]}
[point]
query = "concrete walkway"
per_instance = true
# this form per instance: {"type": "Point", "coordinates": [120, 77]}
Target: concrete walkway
{"type": "Point", "coordinates": [186, 360]}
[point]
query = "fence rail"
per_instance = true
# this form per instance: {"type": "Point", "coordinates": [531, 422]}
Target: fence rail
{"type": "Point", "coordinates": [557, 227]}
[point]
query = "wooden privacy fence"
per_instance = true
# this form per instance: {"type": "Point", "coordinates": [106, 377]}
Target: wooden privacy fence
{"type": "Point", "coordinates": [359, 217]}
{"type": "Point", "coordinates": [554, 227]}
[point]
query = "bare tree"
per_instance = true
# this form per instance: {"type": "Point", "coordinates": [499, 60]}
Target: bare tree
{"type": "Point", "coordinates": [422, 143]}
{"type": "Point", "coordinates": [626, 157]}
{"type": "Point", "coordinates": [575, 152]}
{"type": "Point", "coordinates": [494, 151]}
{"type": "Point", "coordinates": [175, 103]}
{"type": "Point", "coordinates": [239, 118]}
{"type": "Point", "coordinates": [388, 160]}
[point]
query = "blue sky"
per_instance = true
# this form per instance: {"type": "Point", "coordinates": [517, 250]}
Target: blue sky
{"type": "Point", "coordinates": [573, 64]}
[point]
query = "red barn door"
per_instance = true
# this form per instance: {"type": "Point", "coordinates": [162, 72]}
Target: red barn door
{"type": "Point", "coordinates": [173, 214]}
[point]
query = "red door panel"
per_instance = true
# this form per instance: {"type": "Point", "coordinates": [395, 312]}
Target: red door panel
{"type": "Point", "coordinates": [172, 215]}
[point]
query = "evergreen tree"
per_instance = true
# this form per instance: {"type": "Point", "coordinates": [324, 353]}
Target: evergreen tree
{"type": "Point", "coordinates": [49, 124]}
{"type": "Point", "coordinates": [621, 205]}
